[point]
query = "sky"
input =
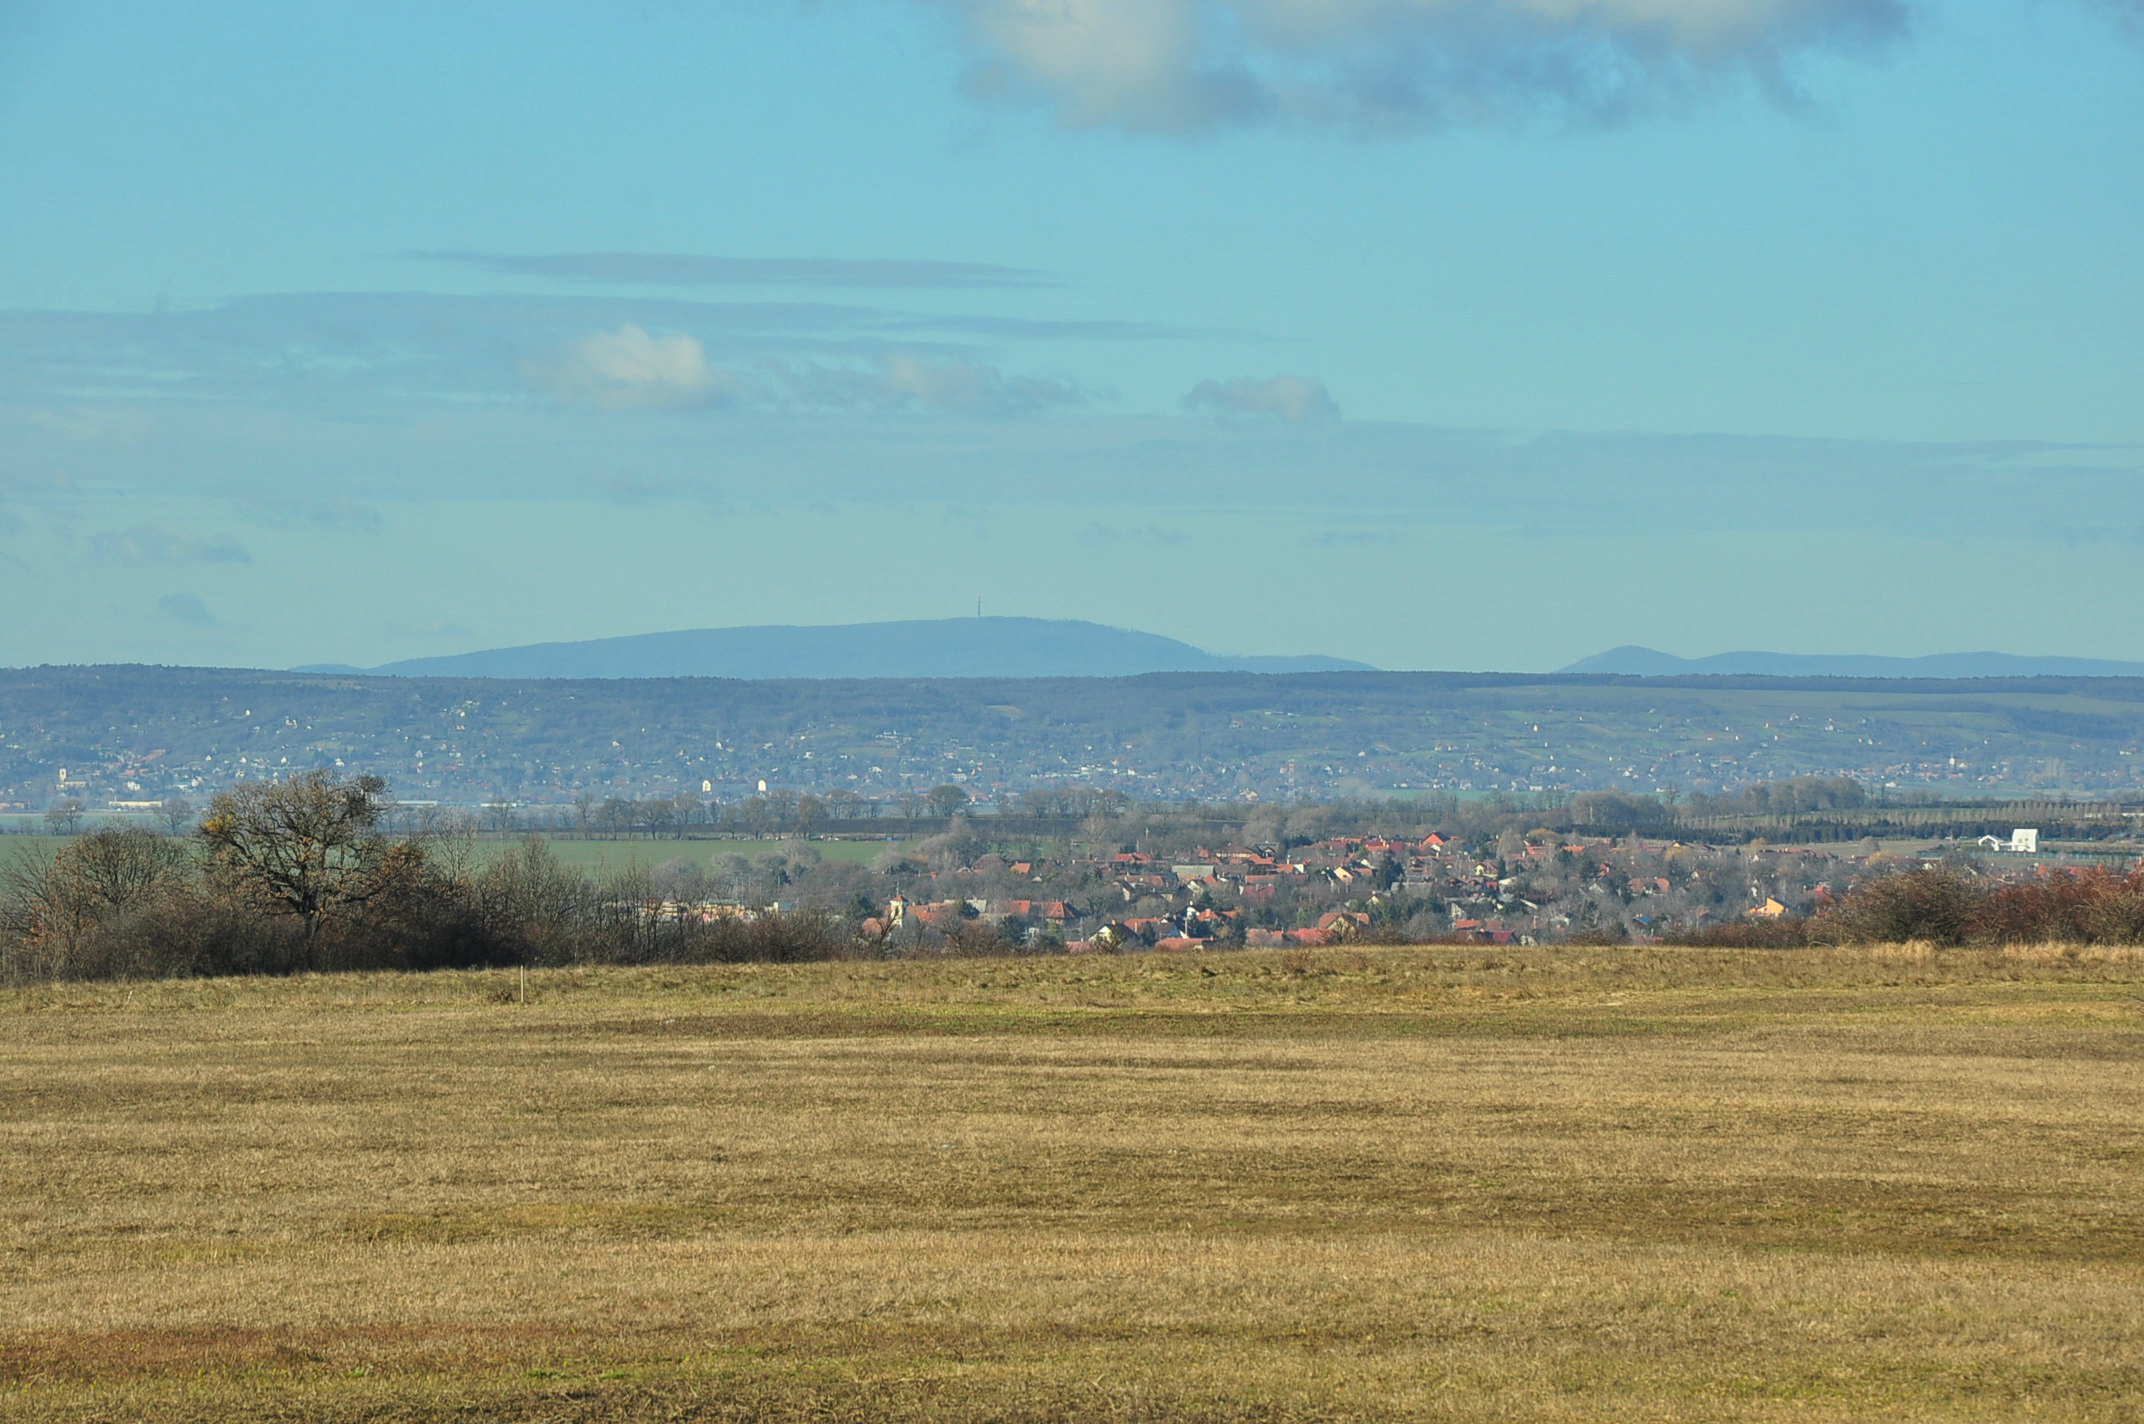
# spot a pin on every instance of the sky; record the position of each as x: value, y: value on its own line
x: 1472, y: 334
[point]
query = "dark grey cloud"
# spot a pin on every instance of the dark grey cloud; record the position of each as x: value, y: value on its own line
x: 186, y: 608
x: 1295, y: 399
x: 156, y: 542
x: 1396, y: 65
x: 673, y: 269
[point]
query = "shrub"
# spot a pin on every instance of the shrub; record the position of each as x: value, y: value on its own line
x: 1931, y: 903
x: 2080, y: 906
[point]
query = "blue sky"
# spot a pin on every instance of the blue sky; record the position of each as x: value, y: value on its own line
x: 1435, y: 333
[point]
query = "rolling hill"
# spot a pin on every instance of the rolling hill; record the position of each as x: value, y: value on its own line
x: 1634, y: 661
x: 943, y: 647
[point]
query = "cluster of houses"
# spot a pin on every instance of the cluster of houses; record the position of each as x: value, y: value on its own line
x: 1137, y: 900
x: 704, y: 912
x: 1537, y: 886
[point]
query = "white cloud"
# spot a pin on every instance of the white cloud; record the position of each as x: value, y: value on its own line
x: 628, y: 369
x: 1293, y: 398
x: 1179, y: 65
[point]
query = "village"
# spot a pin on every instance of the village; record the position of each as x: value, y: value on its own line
x: 1511, y: 888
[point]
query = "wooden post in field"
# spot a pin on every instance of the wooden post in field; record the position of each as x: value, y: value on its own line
x: 524, y: 983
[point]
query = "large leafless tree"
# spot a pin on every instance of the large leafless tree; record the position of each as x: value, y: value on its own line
x: 308, y: 846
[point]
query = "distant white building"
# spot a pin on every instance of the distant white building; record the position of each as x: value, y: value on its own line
x: 2023, y: 841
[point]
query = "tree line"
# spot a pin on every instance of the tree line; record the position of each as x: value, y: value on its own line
x: 301, y: 876
x: 776, y: 812
x: 307, y: 875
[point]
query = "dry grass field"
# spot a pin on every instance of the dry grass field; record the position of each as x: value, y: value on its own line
x: 1630, y: 1184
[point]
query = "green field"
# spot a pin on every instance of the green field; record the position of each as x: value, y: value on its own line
x: 17, y: 845
x: 598, y: 856
x: 1439, y: 1184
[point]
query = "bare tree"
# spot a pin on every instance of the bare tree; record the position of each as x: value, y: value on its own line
x: 616, y: 816
x: 687, y: 810
x: 64, y: 816
x: 308, y: 847
x: 177, y: 814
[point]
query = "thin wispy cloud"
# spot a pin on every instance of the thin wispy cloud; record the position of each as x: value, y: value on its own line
x: 1098, y: 535
x: 632, y: 369
x: 159, y: 543
x: 2128, y: 13
x: 1348, y: 538
x: 186, y: 608
x: 945, y: 387
x: 335, y: 513
x: 427, y: 628
x: 69, y: 367
x: 677, y: 269
x: 1296, y: 399
x: 1396, y: 65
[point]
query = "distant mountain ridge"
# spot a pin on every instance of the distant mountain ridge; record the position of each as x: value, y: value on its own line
x: 1634, y: 661
x: 940, y: 647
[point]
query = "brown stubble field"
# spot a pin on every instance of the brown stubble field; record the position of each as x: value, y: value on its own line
x: 1639, y: 1184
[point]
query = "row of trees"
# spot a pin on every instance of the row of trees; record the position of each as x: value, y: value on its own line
x: 778, y: 812
x: 300, y: 875
x: 1813, y: 807
x: 65, y: 816
x: 1951, y: 906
